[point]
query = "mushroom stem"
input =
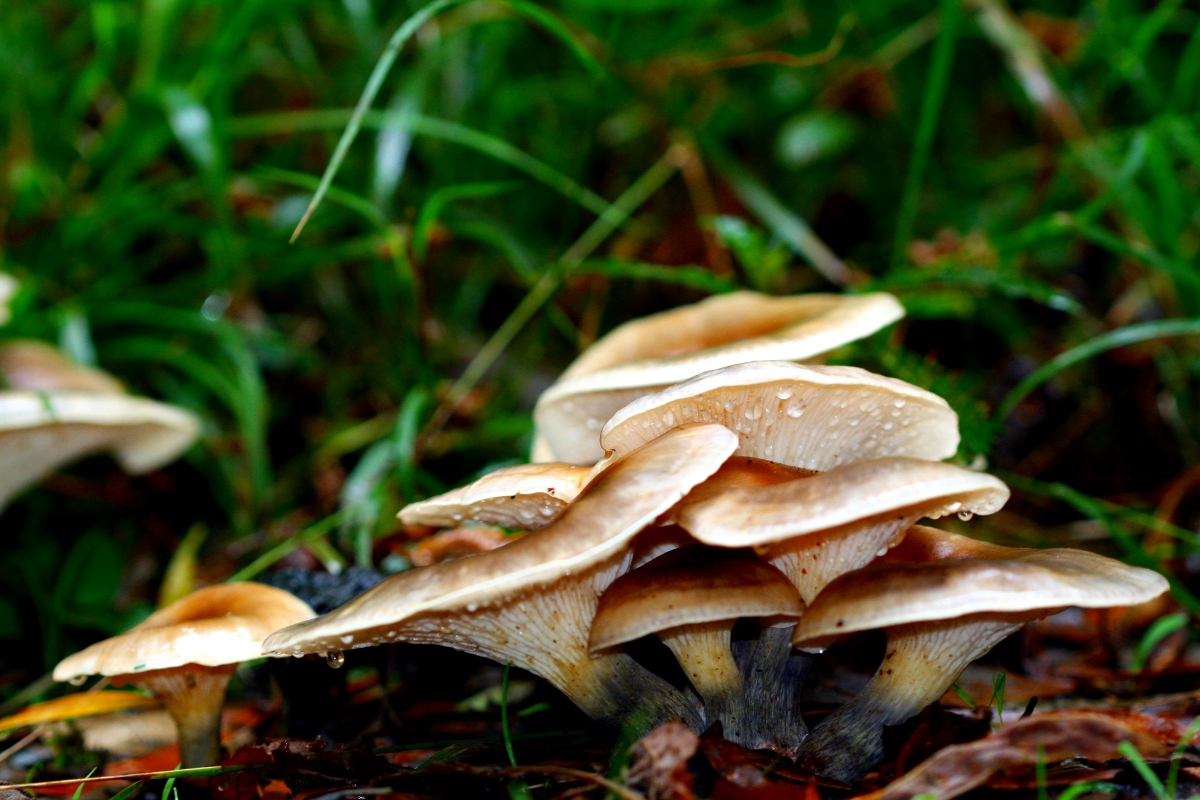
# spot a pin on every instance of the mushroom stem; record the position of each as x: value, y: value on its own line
x: 922, y: 661
x: 773, y: 674
x: 703, y: 651
x: 193, y: 696
x: 812, y: 562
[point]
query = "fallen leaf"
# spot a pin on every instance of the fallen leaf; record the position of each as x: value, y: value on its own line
x: 73, y: 706
x: 159, y: 759
x: 1050, y: 737
x: 658, y: 765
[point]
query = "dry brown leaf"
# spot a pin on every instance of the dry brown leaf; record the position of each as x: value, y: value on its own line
x: 658, y: 765
x: 1048, y: 737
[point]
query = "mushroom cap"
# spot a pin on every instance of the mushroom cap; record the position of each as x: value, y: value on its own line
x: 680, y: 589
x: 741, y: 472
x: 525, y: 496
x: 40, y: 432
x: 212, y: 627
x: 662, y: 349
x: 622, y: 500
x: 33, y: 366
x: 803, y: 416
x: 757, y: 515
x: 1018, y: 580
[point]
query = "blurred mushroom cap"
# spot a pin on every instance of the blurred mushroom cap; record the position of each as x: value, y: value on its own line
x: 212, y: 627
x: 32, y: 366
x: 803, y: 416
x: 656, y: 351
x: 682, y: 589
x: 526, y: 496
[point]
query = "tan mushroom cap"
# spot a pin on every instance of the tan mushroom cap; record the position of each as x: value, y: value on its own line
x: 666, y: 348
x: 212, y: 627
x: 803, y: 416
x: 686, y: 591
x: 1022, y: 580
x: 759, y: 515
x: 526, y: 496
x: 55, y: 412
x: 627, y: 497
x: 41, y: 432
x: 33, y: 366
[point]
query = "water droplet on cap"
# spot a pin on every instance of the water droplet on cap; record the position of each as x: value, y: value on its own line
x: 335, y: 659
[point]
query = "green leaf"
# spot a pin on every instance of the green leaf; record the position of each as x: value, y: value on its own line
x: 1162, y: 627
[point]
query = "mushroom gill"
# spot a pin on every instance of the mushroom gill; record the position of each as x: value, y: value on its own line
x: 531, y: 603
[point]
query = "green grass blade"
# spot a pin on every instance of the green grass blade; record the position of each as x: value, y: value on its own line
x: 423, y: 125
x: 931, y: 109
x: 1130, y: 334
x: 438, y: 199
x: 1177, y: 757
x: 374, y: 83
x: 690, y: 276
x: 1139, y: 763
x: 1163, y: 627
x: 782, y: 221
x: 559, y: 30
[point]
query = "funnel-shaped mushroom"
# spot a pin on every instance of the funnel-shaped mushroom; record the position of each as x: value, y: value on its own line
x: 691, y: 601
x: 810, y: 417
x: 817, y: 528
x: 653, y: 352
x: 185, y: 653
x: 531, y: 603
x: 939, y: 616
x: 53, y: 412
x: 527, y: 496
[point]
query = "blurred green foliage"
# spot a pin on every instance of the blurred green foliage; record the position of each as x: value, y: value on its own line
x: 1025, y: 178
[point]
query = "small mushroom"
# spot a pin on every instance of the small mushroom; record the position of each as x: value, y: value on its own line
x: 531, y: 603
x: 690, y: 598
x: 810, y: 417
x: 53, y: 412
x: 939, y: 616
x: 184, y: 655
x: 648, y: 354
x: 526, y: 496
x: 817, y: 528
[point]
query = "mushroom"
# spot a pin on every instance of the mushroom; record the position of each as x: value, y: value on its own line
x: 184, y: 655
x: 734, y: 473
x: 944, y: 600
x: 648, y: 354
x: 817, y: 528
x: 531, y: 603
x: 802, y: 416
x: 526, y: 496
x: 690, y: 598
x: 53, y: 412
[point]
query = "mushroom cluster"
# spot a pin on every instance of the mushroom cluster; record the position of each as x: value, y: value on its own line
x: 744, y: 513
